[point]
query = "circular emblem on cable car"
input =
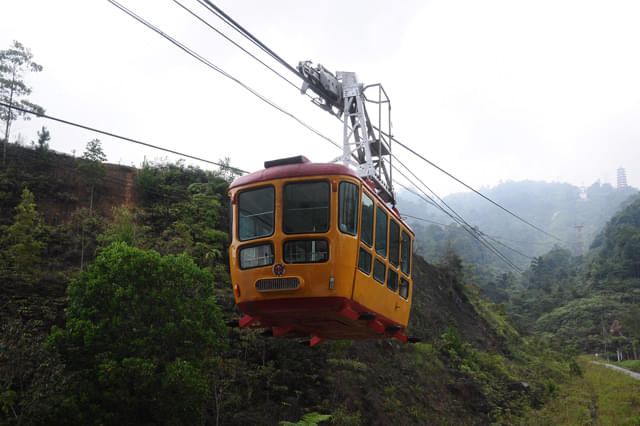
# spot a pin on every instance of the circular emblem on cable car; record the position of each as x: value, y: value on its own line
x: 278, y: 269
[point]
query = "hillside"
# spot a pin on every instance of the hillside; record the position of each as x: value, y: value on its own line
x: 591, y: 301
x: 106, y: 359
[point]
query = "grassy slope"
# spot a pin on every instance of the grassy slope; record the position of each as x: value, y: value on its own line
x: 632, y: 364
x: 602, y: 396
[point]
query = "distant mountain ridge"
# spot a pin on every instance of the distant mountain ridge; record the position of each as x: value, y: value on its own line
x: 573, y: 215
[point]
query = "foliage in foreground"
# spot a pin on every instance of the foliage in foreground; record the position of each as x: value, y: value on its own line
x: 31, y: 375
x: 141, y: 330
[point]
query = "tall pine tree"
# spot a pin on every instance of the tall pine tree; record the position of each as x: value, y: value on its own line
x: 21, y: 246
x: 14, y: 63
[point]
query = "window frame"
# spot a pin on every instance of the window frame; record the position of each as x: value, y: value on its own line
x: 341, y: 207
x: 401, y: 286
x: 247, y: 246
x: 284, y: 210
x: 384, y: 255
x: 284, y: 251
x: 230, y: 211
x: 398, y: 241
x: 384, y: 264
x: 404, y: 261
x: 373, y: 219
x: 273, y: 225
x: 368, y: 253
x: 397, y: 283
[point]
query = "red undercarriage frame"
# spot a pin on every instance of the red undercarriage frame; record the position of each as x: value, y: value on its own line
x: 323, y: 318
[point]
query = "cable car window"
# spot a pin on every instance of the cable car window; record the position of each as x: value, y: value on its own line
x: 392, y: 280
x: 306, y: 251
x: 394, y: 243
x: 364, y: 261
x: 256, y: 256
x: 406, y: 253
x: 348, y: 208
x: 379, y: 271
x: 404, y: 288
x: 255, y: 213
x: 366, y: 226
x: 230, y: 211
x: 381, y: 232
x: 306, y: 207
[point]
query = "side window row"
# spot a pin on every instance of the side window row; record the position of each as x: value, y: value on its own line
x: 388, y: 235
x: 379, y: 271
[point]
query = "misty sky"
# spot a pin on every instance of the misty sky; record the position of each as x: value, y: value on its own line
x: 491, y: 91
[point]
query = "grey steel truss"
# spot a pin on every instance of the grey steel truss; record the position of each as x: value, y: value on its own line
x: 365, y: 146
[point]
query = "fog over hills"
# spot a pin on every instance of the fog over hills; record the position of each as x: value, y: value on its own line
x: 574, y: 215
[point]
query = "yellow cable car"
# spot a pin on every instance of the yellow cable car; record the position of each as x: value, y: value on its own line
x: 315, y: 252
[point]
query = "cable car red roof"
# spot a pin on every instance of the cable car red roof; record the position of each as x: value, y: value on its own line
x: 293, y: 170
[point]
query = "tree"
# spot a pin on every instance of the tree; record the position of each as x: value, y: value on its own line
x: 631, y: 326
x: 93, y: 170
x: 22, y: 248
x: 91, y: 167
x: 44, y: 136
x: 143, y: 332
x: 226, y: 172
x: 123, y: 228
x: 452, y: 260
x: 14, y: 63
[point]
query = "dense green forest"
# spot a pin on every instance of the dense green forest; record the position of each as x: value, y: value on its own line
x: 593, y: 301
x: 116, y: 296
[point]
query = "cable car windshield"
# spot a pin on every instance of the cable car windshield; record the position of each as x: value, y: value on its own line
x: 255, y: 213
x: 306, y: 207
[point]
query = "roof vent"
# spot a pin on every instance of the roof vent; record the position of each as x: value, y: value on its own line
x: 298, y: 159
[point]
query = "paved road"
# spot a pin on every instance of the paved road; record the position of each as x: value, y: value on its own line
x: 624, y: 370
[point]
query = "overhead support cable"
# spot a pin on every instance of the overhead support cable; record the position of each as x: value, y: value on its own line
x: 235, y: 25
x: 230, y: 40
x: 525, y: 242
x: 427, y: 199
x: 211, y: 65
x: 475, y: 234
x: 226, y: 18
x: 106, y: 133
x: 508, y: 247
x: 460, y: 218
x: 231, y: 22
x: 473, y: 189
x: 404, y: 215
x: 457, y: 218
x: 421, y: 219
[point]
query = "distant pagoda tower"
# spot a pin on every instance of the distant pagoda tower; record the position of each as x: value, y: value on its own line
x: 583, y: 194
x: 622, y: 178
